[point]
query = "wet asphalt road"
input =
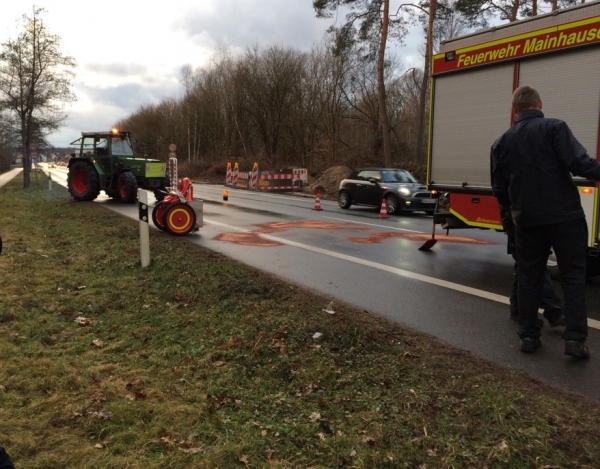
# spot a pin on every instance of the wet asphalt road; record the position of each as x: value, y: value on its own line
x: 457, y: 292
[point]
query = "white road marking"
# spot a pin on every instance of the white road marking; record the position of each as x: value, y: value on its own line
x: 386, y: 268
x: 373, y: 224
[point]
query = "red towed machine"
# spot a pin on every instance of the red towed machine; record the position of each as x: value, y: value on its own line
x: 178, y: 213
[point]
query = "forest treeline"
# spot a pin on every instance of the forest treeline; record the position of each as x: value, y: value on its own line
x: 283, y: 107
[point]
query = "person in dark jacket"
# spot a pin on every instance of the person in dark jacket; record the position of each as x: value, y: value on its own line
x: 531, y: 167
x: 5, y: 461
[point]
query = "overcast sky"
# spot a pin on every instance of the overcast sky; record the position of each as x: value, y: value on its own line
x: 130, y: 52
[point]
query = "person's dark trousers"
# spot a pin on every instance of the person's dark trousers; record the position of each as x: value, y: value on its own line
x: 5, y: 462
x: 568, y: 240
x: 550, y: 300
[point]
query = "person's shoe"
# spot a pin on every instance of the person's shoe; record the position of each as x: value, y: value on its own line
x: 577, y: 349
x: 555, y: 320
x: 530, y: 344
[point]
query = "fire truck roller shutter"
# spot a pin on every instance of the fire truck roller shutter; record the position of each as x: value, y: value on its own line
x: 471, y: 110
x: 569, y: 84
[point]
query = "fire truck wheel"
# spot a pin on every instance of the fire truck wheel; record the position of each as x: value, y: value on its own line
x: 593, y: 266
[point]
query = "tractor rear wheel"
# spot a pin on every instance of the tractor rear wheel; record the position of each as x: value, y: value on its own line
x: 128, y: 187
x: 179, y: 219
x: 158, y: 213
x: 83, y: 181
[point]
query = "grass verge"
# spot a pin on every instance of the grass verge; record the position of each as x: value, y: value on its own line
x: 200, y: 362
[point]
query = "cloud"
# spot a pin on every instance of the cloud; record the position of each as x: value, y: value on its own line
x: 128, y: 97
x: 241, y: 24
x: 122, y: 69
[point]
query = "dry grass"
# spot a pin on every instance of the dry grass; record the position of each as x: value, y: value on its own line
x: 200, y: 362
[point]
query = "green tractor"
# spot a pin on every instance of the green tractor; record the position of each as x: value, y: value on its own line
x: 106, y: 162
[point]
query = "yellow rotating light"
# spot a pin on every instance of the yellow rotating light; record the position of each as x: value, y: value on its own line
x: 114, y: 131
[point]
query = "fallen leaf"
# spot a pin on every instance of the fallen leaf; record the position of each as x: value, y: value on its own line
x: 140, y: 396
x: 268, y: 454
x: 353, y: 453
x: 244, y: 459
x: 502, y: 446
x: 368, y: 440
x: 81, y: 287
x: 2, y: 388
x: 179, y: 296
x: 232, y: 343
x: 98, y: 343
x: 314, y: 417
x: 83, y: 321
x: 218, y: 363
x: 102, y: 444
x: 191, y: 450
x: 102, y: 415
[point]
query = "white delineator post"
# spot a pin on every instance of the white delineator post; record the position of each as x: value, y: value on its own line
x: 144, y: 230
x: 49, y: 181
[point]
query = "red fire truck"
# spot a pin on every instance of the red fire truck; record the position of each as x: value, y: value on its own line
x: 473, y: 78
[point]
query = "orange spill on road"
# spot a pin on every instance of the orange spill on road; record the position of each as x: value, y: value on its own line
x: 253, y: 238
x: 247, y: 239
x: 309, y: 224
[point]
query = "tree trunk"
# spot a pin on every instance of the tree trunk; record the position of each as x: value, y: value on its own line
x: 515, y: 11
x: 421, y: 141
x: 383, y: 116
x: 26, y: 161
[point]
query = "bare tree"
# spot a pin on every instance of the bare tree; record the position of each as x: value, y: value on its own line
x: 35, y: 83
x: 375, y: 25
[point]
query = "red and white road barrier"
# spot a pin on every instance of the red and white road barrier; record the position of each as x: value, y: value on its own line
x: 253, y: 183
x: 228, y: 178
x: 291, y: 179
x: 234, y: 176
x: 302, y: 174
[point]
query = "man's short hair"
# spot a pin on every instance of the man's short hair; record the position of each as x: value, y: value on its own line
x: 526, y: 97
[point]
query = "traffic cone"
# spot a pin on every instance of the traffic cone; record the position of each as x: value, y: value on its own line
x: 383, y: 211
x: 317, y: 203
